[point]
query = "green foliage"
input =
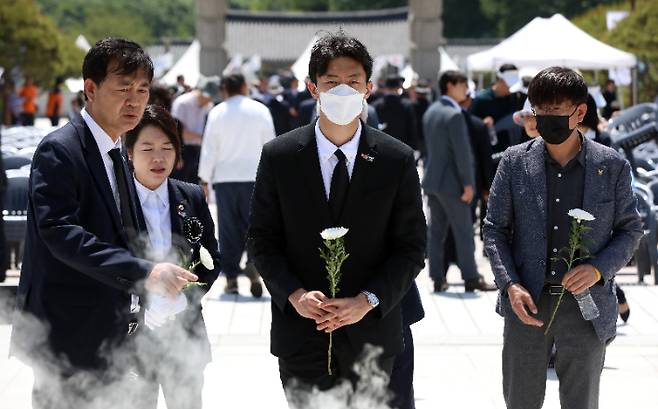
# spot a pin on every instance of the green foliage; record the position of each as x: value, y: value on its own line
x: 144, y: 21
x: 510, y: 15
x: 31, y: 42
x: 637, y: 33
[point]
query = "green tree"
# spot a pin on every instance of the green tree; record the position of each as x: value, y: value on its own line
x: 30, y: 42
x: 637, y: 33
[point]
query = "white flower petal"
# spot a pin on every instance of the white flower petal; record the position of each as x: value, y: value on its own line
x: 580, y: 214
x: 206, y: 258
x: 333, y: 233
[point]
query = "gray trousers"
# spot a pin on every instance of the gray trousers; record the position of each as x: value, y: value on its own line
x: 578, y: 363
x: 447, y: 211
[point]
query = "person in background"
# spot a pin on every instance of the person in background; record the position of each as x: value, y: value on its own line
x: 449, y: 184
x: 181, y: 86
x: 281, y: 110
x: 422, y: 102
x: 396, y: 115
x: 498, y: 102
x: 232, y: 143
x: 192, y: 110
x: 13, y: 104
x: 611, y: 102
x: 29, y: 93
x: 54, y: 106
x: 77, y: 103
x: 175, y: 326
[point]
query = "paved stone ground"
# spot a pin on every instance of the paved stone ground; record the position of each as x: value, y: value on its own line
x: 458, y: 347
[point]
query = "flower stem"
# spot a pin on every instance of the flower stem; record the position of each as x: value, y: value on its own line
x: 331, y: 339
x: 559, y: 300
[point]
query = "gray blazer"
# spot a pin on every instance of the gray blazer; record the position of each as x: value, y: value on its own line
x: 515, y: 226
x: 449, y: 165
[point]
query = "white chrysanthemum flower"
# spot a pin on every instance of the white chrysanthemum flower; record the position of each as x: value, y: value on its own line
x: 206, y: 258
x: 580, y: 214
x: 334, y: 233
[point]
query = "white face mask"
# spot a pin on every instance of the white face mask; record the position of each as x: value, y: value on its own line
x: 510, y: 77
x: 342, y: 104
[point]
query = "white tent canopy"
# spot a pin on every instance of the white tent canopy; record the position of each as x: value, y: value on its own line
x: 544, y: 42
x: 300, y: 67
x: 445, y: 61
x: 187, y: 65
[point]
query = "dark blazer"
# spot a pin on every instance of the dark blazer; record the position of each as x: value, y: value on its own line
x: 482, y: 150
x: 386, y: 240
x: 187, y: 200
x: 515, y: 226
x: 77, y: 273
x: 397, y: 117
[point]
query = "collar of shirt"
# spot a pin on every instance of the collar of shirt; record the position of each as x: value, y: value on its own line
x: 103, y: 140
x: 452, y: 102
x: 162, y: 193
x: 326, y: 148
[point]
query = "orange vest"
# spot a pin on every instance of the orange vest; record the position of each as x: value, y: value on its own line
x: 29, y: 95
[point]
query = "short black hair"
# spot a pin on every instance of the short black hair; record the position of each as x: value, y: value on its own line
x: 555, y: 85
x: 591, y: 118
x: 160, y: 95
x: 155, y: 115
x: 335, y: 45
x: 128, y: 57
x: 452, y: 77
x: 232, y: 84
x: 393, y: 81
x: 507, y: 67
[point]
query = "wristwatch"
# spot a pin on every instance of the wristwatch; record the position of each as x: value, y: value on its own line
x: 372, y: 298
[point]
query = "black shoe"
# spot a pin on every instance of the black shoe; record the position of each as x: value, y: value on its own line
x: 231, y: 286
x: 624, y: 312
x: 478, y: 284
x: 256, y: 286
x: 440, y: 286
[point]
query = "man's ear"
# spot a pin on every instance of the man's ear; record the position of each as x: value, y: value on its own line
x: 369, y: 86
x: 581, y: 111
x: 313, y: 89
x: 90, y: 88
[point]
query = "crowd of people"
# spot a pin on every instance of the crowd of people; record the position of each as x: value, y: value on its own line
x: 121, y: 247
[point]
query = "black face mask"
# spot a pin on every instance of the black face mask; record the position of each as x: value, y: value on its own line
x: 554, y: 129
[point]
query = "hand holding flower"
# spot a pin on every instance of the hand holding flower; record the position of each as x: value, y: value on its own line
x: 580, y: 278
x: 344, y: 311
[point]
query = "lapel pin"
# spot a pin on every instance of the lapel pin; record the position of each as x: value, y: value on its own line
x: 601, y: 171
x: 367, y: 157
x: 181, y: 210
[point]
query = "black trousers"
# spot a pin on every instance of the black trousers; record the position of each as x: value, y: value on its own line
x: 307, y: 368
x: 402, y: 377
x: 233, y: 202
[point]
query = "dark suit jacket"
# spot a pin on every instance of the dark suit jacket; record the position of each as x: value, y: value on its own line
x: 397, y: 117
x: 187, y: 200
x: 481, y: 147
x: 515, y: 226
x: 77, y: 273
x: 386, y: 240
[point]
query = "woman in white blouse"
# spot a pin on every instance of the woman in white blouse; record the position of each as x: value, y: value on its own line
x: 174, y: 350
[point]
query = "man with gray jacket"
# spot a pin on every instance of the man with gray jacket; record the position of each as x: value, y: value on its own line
x: 448, y: 183
x: 526, y: 227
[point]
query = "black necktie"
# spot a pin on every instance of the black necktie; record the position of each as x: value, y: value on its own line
x: 340, y: 182
x: 125, y: 203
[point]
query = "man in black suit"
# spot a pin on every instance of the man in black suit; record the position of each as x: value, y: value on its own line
x: 79, y: 285
x: 396, y: 115
x: 336, y: 172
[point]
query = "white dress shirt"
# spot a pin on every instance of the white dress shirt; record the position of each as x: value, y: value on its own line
x: 155, y: 207
x: 452, y: 102
x: 233, y: 140
x: 105, y: 145
x: 328, y: 161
